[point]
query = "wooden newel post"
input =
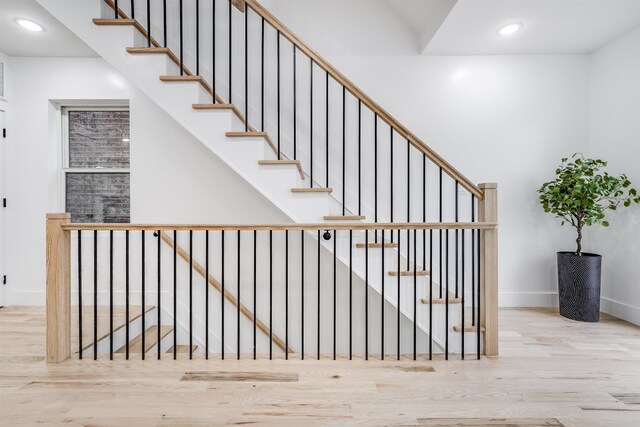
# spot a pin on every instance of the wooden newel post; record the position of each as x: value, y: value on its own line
x: 58, y: 288
x: 488, y: 212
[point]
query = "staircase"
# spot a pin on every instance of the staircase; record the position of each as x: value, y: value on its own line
x: 282, y: 168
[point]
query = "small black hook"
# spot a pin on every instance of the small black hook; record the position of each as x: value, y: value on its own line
x: 326, y: 235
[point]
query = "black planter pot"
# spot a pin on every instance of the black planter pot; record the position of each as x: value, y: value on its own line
x: 579, y: 286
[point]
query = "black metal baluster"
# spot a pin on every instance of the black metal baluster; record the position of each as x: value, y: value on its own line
x: 399, y: 274
x: 350, y: 294
x: 80, y: 297
x: 262, y: 77
x: 391, y: 183
x: 478, y: 322
x: 115, y: 9
x: 278, y: 88
x: 462, y: 290
x: 430, y: 294
x: 302, y: 294
x: 440, y: 231
x: 246, y: 70
x: 415, y: 295
x: 318, y: 263
x: 230, y: 52
x: 148, y: 23
x: 382, y: 297
x: 126, y: 291
x: 327, y: 129
x: 191, y: 294
x: 143, y: 285
x: 181, y: 42
x: 159, y: 292
x: 175, y: 294
x: 446, y: 298
x: 133, y: 9
x: 222, y: 294
x: 213, y: 50
x: 408, y: 201
x: 456, y: 236
x: 238, y: 301
x: 110, y: 294
x: 366, y: 295
x: 206, y: 294
x: 255, y: 288
x: 473, y: 263
x: 295, y: 108
x: 344, y: 149
x: 334, y: 293
x: 197, y: 37
x: 164, y: 22
x: 286, y: 295
x: 270, y: 294
x: 375, y: 174
x: 311, y: 124
x: 359, y: 157
x: 95, y: 295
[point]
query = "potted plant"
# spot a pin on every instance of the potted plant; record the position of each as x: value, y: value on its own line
x: 580, y: 196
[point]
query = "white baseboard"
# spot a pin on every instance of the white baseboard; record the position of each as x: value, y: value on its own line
x: 620, y: 310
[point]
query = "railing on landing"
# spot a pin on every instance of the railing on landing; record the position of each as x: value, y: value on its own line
x: 104, y: 274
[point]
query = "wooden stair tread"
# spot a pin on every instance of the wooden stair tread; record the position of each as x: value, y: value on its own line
x: 148, y: 50
x: 344, y: 217
x: 437, y: 300
x: 150, y: 339
x: 183, y: 348
x: 213, y: 106
x: 119, y: 322
x: 312, y: 190
x: 246, y: 134
x: 121, y: 21
x: 409, y: 273
x: 377, y: 245
x: 184, y: 78
x: 468, y: 328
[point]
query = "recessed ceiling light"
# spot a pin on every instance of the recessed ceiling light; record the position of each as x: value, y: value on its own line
x: 510, y: 29
x: 29, y: 25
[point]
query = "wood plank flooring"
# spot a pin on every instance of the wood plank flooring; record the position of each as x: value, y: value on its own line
x: 551, y: 372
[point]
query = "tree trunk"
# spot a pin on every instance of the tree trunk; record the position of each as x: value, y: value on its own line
x: 579, y: 239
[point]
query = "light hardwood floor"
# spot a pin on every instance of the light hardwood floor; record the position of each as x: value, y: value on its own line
x: 551, y: 371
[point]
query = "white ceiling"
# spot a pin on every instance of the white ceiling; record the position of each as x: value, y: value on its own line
x: 550, y: 26
x: 57, y: 41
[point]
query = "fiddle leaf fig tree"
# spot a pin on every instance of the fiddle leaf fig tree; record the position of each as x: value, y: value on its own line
x: 582, y: 193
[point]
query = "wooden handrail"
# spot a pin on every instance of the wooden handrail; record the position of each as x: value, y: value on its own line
x: 317, y: 226
x: 359, y: 94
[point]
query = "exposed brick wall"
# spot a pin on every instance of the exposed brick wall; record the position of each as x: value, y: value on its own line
x: 95, y: 139
x: 98, y: 197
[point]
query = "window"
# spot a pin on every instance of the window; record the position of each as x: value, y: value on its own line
x: 96, y: 164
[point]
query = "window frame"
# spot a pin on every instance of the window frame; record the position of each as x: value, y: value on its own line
x: 65, y: 169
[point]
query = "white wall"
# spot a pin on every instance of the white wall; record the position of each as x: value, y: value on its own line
x: 614, y: 131
x: 505, y: 119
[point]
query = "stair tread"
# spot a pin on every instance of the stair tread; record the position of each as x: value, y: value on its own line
x: 150, y: 339
x: 184, y: 78
x: 344, y: 217
x: 245, y: 134
x: 312, y: 190
x: 297, y: 163
x: 113, y: 21
x: 377, y: 245
x: 468, y: 328
x: 119, y: 321
x: 212, y: 106
x: 409, y: 273
x: 151, y: 50
x: 182, y: 348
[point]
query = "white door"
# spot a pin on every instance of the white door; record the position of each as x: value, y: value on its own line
x: 3, y: 234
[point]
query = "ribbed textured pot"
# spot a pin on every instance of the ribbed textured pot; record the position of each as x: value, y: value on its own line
x: 579, y: 286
